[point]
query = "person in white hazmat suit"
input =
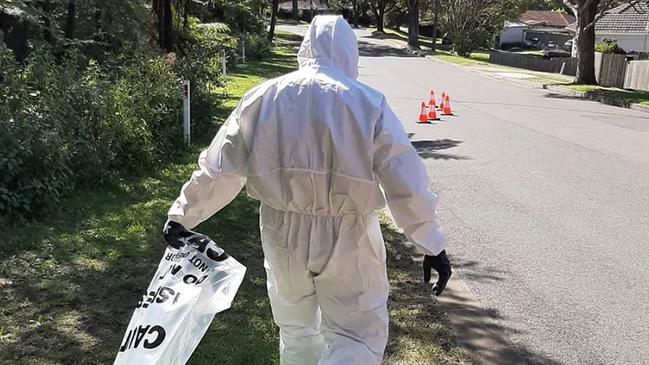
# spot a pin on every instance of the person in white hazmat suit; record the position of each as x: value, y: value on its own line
x: 315, y: 147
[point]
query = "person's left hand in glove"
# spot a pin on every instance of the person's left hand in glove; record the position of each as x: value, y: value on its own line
x: 177, y: 236
x: 442, y: 265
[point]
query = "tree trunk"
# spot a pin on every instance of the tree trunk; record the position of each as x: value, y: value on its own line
x: 70, y: 20
x: 273, y: 20
x: 295, y: 11
x: 417, y: 6
x: 168, y: 26
x: 47, y: 23
x: 586, y: 45
x: 15, y: 35
x: 98, y: 23
x: 435, y: 24
x: 186, y: 14
x: 355, y: 12
x: 379, y: 15
x: 160, y: 14
x: 413, y: 24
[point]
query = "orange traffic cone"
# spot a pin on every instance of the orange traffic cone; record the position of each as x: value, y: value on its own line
x: 432, y: 113
x: 431, y: 102
x: 441, y: 102
x: 446, y: 110
x: 422, y: 113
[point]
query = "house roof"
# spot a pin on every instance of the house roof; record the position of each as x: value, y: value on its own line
x: 625, y: 19
x: 554, y: 19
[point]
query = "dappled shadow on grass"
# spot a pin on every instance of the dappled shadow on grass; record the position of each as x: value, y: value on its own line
x: 280, y: 62
x: 374, y: 50
x: 419, y: 332
x: 70, y: 284
x: 400, y: 36
x: 76, y: 281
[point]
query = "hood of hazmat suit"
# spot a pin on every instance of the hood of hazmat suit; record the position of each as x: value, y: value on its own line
x: 321, y: 152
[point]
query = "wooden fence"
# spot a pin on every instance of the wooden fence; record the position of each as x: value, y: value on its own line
x: 637, y: 75
x: 536, y: 63
x: 610, y: 69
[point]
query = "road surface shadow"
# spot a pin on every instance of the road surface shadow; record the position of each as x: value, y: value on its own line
x: 374, y: 50
x: 597, y: 98
x: 473, y: 325
x: 475, y: 271
x: 428, y: 149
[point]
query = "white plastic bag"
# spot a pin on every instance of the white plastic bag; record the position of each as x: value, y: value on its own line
x: 191, y: 285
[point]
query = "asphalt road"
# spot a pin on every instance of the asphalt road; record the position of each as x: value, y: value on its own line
x: 546, y: 204
x: 545, y: 200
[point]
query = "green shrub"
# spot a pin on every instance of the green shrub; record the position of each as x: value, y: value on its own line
x: 33, y: 152
x: 245, y: 16
x: 609, y: 46
x: 397, y: 15
x: 257, y: 46
x: 63, y: 125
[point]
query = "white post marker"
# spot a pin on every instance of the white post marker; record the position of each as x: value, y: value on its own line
x: 243, y: 49
x: 224, y: 63
x: 184, y: 87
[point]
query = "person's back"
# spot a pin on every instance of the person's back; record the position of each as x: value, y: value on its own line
x: 315, y: 147
x: 308, y: 125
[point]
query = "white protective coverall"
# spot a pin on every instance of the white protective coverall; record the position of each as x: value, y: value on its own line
x: 315, y: 146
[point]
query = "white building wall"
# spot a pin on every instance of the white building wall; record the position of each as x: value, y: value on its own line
x: 636, y: 42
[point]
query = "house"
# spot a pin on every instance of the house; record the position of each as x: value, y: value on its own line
x: 538, y: 28
x: 628, y: 25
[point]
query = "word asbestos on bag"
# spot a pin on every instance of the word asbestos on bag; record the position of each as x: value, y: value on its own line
x: 191, y: 285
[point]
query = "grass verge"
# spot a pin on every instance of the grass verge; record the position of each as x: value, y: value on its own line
x: 69, y: 283
x: 625, y: 96
x: 401, y: 36
x: 474, y: 59
x: 443, y: 52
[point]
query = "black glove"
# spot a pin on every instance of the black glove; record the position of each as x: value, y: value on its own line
x: 443, y: 267
x: 177, y: 236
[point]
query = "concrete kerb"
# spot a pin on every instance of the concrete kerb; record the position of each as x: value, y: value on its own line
x: 471, y: 324
x: 599, y: 98
x: 474, y: 328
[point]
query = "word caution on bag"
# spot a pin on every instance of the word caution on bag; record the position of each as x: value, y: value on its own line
x: 191, y: 285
